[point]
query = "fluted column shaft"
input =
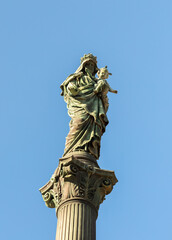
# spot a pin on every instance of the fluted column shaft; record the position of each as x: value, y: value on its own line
x: 76, y: 221
x: 76, y: 190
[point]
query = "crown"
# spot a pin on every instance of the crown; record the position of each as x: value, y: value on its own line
x: 88, y: 57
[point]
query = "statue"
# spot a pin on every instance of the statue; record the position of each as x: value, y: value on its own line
x: 78, y: 186
x: 103, y: 86
x: 87, y: 103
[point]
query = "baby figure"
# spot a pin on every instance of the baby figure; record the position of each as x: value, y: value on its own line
x: 103, y: 87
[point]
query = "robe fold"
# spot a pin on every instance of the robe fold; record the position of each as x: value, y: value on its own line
x: 88, y: 117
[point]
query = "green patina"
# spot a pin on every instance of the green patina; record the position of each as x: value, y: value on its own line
x: 86, y: 100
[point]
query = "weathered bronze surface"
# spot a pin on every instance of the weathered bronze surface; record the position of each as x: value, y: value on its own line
x: 87, y: 103
x: 78, y: 185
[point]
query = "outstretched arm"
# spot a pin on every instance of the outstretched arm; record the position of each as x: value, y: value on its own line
x: 113, y: 91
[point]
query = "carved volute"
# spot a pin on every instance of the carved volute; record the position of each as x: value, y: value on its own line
x: 74, y: 179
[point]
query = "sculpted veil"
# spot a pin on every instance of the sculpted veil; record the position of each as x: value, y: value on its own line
x: 85, y: 107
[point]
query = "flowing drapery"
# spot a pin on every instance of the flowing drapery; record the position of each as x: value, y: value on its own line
x: 88, y: 117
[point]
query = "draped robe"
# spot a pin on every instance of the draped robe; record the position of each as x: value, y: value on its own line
x: 88, y: 117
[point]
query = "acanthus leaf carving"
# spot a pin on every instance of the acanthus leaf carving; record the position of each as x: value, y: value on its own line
x: 78, y: 180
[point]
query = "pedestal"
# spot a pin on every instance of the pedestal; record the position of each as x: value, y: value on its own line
x: 76, y: 190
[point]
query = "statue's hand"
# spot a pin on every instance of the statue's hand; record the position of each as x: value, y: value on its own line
x: 73, y: 92
x: 114, y: 91
x: 72, y: 88
x: 98, y: 88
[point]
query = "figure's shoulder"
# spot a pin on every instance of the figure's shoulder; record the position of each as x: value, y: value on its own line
x: 106, y: 82
x: 72, y: 77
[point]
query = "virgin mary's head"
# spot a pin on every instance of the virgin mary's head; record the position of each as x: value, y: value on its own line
x: 88, y: 61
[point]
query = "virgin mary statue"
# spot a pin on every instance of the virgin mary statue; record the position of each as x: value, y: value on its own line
x: 85, y: 107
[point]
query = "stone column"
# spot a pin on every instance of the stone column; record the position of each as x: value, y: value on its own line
x: 76, y: 190
x: 76, y: 220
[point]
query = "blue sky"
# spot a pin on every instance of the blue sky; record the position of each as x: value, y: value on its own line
x: 40, y: 45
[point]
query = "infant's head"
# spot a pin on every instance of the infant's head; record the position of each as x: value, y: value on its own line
x: 103, y: 73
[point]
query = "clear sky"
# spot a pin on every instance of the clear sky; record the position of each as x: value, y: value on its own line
x: 41, y: 43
